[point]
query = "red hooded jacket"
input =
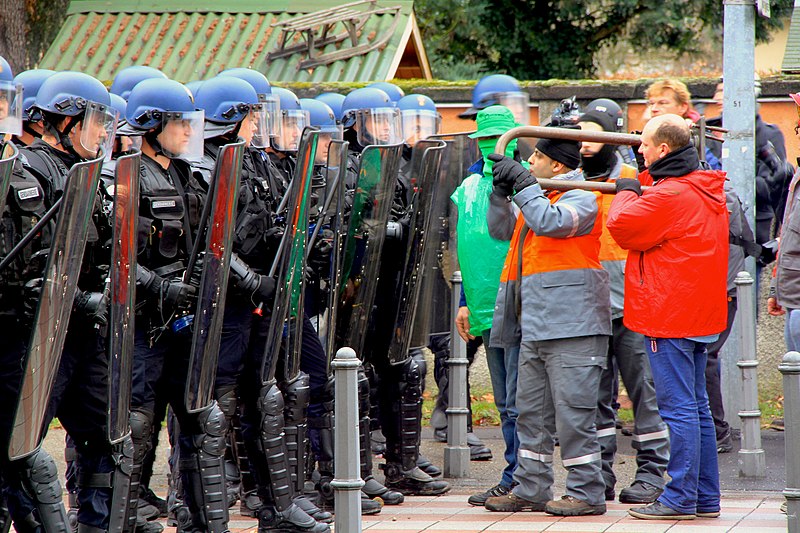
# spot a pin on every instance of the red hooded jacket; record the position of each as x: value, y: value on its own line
x: 676, y: 235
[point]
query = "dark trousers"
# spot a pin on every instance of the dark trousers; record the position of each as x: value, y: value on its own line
x: 713, y: 386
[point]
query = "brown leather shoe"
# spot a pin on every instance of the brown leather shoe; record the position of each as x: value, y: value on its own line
x: 510, y: 503
x: 571, y: 506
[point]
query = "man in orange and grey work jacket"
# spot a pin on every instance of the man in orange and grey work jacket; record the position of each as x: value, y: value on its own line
x: 553, y: 303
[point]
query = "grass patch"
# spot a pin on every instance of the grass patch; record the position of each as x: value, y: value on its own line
x: 484, y: 412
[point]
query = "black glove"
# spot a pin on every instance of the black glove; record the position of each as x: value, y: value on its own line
x: 266, y: 288
x: 176, y: 293
x: 94, y: 305
x: 32, y: 293
x: 628, y: 184
x: 509, y: 175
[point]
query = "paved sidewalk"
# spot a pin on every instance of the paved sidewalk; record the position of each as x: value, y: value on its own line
x: 741, y: 513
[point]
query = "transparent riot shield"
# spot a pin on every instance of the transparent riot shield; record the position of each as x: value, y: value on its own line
x: 426, y: 159
x: 433, y: 315
x: 52, y: 316
x: 122, y: 294
x: 332, y: 216
x: 285, y: 327
x: 8, y: 155
x: 371, y: 204
x: 208, y: 315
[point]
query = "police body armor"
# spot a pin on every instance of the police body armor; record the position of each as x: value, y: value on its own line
x: 51, y: 319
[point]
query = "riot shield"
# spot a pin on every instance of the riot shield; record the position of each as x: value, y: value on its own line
x: 334, y: 214
x: 371, y: 205
x: 207, y: 324
x: 122, y: 290
x: 289, y: 269
x: 8, y: 155
x: 52, y: 316
x: 433, y: 313
x: 426, y: 158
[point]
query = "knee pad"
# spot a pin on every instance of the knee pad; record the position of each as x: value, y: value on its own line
x: 212, y: 422
x: 40, y: 470
x: 141, y: 423
x: 226, y: 399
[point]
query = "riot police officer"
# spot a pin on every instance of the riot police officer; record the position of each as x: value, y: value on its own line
x: 371, y: 119
x: 163, y: 114
x: 252, y: 288
x: 78, y: 125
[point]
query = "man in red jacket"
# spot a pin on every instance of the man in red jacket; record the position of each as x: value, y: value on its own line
x: 676, y: 234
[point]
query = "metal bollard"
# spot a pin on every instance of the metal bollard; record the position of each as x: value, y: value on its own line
x: 752, y: 461
x: 456, y: 453
x: 347, y: 480
x: 790, y: 368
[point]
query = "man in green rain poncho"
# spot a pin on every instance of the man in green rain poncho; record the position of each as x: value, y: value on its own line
x: 481, y: 258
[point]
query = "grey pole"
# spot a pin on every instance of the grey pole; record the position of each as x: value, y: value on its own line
x: 738, y: 160
x: 790, y: 368
x: 456, y: 453
x: 751, y: 455
x: 347, y: 482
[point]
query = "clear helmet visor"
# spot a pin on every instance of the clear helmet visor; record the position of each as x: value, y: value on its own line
x: 293, y: 122
x: 380, y: 126
x: 272, y: 106
x: 182, y: 135
x: 253, y: 128
x: 10, y: 108
x: 327, y: 134
x: 518, y: 103
x: 98, y: 127
x: 419, y: 124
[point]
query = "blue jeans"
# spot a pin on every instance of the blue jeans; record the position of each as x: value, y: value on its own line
x: 679, y: 374
x: 791, y: 330
x: 503, y: 365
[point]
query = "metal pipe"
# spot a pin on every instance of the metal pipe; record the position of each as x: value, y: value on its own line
x: 456, y: 453
x: 347, y: 480
x: 569, y: 134
x: 790, y: 368
x: 752, y: 461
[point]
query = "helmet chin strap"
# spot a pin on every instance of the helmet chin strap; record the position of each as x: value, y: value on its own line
x: 63, y: 136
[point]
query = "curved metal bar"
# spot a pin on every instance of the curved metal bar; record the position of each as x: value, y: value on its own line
x: 541, y: 132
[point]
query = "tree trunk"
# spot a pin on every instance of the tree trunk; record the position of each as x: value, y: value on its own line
x: 13, y: 24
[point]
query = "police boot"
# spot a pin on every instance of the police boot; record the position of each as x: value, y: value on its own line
x: 372, y: 487
x: 72, y: 511
x: 290, y: 520
x: 202, y: 473
x: 402, y: 452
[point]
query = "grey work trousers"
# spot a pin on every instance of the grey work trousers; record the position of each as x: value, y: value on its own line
x: 650, y: 435
x: 557, y: 389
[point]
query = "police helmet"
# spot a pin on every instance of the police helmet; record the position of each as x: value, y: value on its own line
x: 395, y: 93
x: 31, y: 80
x: 499, y: 89
x: 127, y: 78
x: 334, y: 101
x: 420, y: 118
x: 286, y: 131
